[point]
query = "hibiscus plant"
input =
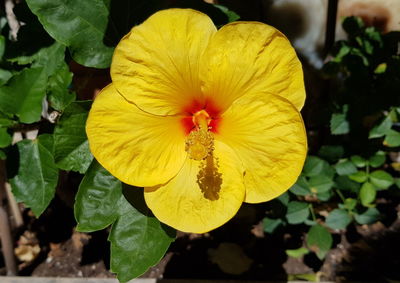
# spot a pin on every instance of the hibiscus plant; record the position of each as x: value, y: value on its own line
x: 198, y: 116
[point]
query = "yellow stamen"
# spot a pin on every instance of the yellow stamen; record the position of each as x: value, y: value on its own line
x: 200, y: 142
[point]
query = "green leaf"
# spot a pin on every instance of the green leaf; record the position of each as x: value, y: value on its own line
x: 324, y: 196
x: 381, y: 179
x: 382, y: 129
x: 353, y: 25
x: 370, y: 216
x: 284, y: 198
x: 367, y: 194
x: 359, y: 161
x: 338, y: 219
x: 96, y: 203
x: 5, y: 75
x: 320, y: 184
x: 71, y: 147
x: 270, y: 224
x: 58, y: 94
x: 297, y: 212
x: 378, y: 159
x: 339, y: 124
x: 49, y: 58
x: 345, y: 167
x: 297, y: 252
x: 5, y: 138
x: 2, y: 46
x: 392, y: 139
x: 36, y: 174
x: 232, y: 16
x: 138, y: 239
x: 319, y: 240
x: 331, y: 153
x: 314, y: 166
x: 350, y: 203
x: 359, y: 177
x: 23, y: 95
x: 346, y: 184
x: 80, y: 25
x: 301, y: 187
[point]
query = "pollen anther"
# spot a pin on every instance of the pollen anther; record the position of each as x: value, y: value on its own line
x: 200, y: 142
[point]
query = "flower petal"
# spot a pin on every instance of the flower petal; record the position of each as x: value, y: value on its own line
x: 267, y: 133
x: 138, y: 148
x: 251, y: 57
x: 203, y: 196
x: 156, y: 65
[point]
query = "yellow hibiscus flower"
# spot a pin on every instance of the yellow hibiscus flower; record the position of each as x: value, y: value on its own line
x: 203, y: 119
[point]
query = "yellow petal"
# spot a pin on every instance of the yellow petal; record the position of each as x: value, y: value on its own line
x: 267, y: 133
x: 251, y: 57
x: 156, y: 65
x: 138, y: 148
x: 203, y: 196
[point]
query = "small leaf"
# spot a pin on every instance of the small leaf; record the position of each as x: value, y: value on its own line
x: 5, y: 138
x: 382, y: 129
x: 232, y: 16
x: 350, y: 203
x: 297, y: 212
x: 359, y: 161
x: 339, y: 124
x: 338, y: 219
x: 319, y: 240
x: 270, y: 225
x: 370, y: 216
x: 96, y: 203
x: 297, y: 252
x: 381, y: 179
x: 392, y: 139
x: 359, y: 177
x: 346, y: 184
x: 320, y: 184
x: 314, y: 166
x: 71, y: 147
x: 301, y: 188
x: 345, y: 167
x: 378, y: 159
x: 331, y: 153
x: 58, y: 94
x: 138, y: 239
x: 23, y: 95
x: 367, y: 194
x: 36, y: 176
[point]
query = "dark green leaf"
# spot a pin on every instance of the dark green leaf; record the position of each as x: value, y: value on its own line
x: 331, y: 153
x: 301, y: 187
x: 71, y: 147
x: 359, y: 177
x: 392, y: 138
x: 367, y: 194
x: 36, y: 174
x: 297, y: 212
x: 381, y: 179
x: 345, y: 167
x: 378, y: 159
x: 324, y: 196
x: 284, y: 198
x: 96, y: 203
x: 319, y: 240
x: 80, y: 25
x: 58, y: 94
x: 138, y: 239
x: 370, y: 216
x: 270, y: 224
x: 23, y: 95
x: 344, y: 183
x: 338, y: 219
x: 4, y: 76
x: 232, y: 16
x: 353, y: 25
x: 5, y: 138
x: 339, y: 124
x: 358, y: 161
x: 2, y: 46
